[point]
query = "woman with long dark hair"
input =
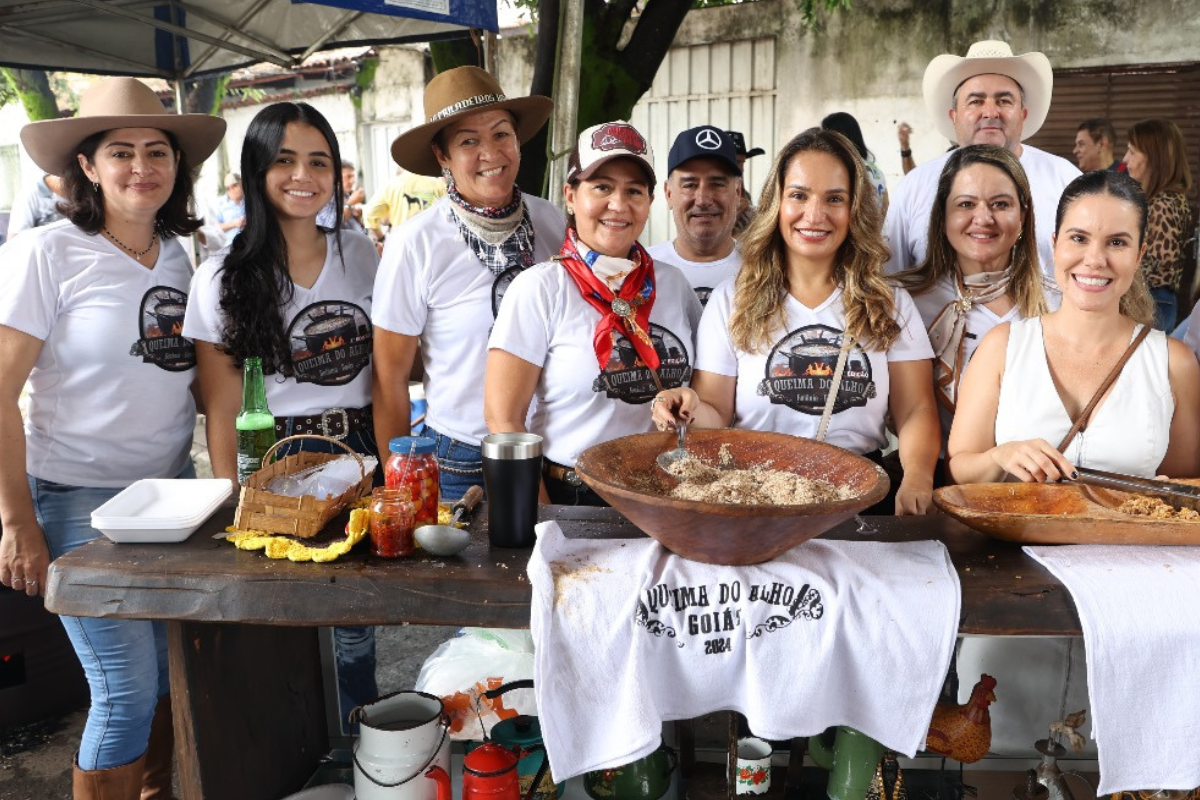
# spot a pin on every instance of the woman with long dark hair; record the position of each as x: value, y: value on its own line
x: 811, y: 294
x: 299, y: 297
x: 89, y: 313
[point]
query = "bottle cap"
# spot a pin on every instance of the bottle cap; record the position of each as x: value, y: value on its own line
x: 412, y: 445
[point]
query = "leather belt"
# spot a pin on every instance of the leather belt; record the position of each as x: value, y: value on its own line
x: 558, y: 472
x: 336, y: 423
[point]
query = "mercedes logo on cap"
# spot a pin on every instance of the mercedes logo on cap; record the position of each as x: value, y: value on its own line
x: 709, y: 139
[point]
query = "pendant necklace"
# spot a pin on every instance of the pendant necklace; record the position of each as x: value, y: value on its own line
x: 137, y: 254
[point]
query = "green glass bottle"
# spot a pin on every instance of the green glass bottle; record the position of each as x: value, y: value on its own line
x: 255, y: 423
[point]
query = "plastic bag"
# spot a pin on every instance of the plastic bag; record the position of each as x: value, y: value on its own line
x: 323, y: 481
x: 475, y: 661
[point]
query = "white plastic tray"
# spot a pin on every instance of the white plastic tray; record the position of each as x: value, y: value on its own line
x: 160, y: 509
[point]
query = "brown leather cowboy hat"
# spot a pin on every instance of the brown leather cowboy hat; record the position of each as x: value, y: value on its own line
x: 454, y: 94
x: 118, y: 103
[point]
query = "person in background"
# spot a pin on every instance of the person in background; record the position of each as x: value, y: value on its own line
x: 444, y: 272
x: 982, y: 266
x: 746, y: 209
x: 298, y: 296
x: 352, y: 212
x: 1094, y: 143
x: 1157, y: 159
x: 74, y: 296
x: 560, y: 336
x: 811, y: 294
x: 403, y: 197
x: 903, y: 132
x: 1030, y: 379
x: 988, y: 97
x: 231, y: 208
x: 36, y: 205
x: 848, y: 126
x: 703, y: 189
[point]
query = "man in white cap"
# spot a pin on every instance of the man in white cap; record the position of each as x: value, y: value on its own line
x: 989, y: 97
x: 702, y: 189
x: 231, y: 208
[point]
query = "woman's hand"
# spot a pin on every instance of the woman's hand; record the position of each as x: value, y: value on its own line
x: 914, y: 497
x: 24, y: 559
x: 1032, y: 461
x: 672, y: 405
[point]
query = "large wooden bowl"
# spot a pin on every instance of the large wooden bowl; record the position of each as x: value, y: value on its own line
x: 624, y: 472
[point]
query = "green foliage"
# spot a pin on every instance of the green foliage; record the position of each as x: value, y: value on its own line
x: 220, y: 93
x: 7, y: 94
x: 32, y: 88
x: 364, y: 80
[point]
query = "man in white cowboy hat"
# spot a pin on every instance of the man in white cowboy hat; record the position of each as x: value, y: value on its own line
x: 988, y: 97
x: 703, y: 185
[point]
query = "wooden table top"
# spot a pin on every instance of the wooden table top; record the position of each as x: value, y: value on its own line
x: 1004, y: 592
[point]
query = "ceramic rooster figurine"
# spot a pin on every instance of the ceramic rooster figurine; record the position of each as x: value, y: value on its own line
x: 964, y: 732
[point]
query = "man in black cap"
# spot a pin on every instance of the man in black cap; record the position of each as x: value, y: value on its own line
x: 746, y: 210
x: 704, y: 182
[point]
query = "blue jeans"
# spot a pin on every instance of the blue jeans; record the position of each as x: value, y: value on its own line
x: 460, y: 466
x: 1165, y: 310
x: 124, y: 660
x: 354, y: 645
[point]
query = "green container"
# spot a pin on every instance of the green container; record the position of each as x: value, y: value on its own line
x: 523, y: 735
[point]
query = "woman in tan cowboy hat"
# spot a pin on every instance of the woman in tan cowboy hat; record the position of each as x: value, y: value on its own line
x: 444, y: 271
x: 91, y: 310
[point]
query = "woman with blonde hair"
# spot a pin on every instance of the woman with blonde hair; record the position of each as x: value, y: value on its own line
x: 981, y: 268
x: 810, y: 309
x: 1157, y: 159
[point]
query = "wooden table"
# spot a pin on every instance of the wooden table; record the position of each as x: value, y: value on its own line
x: 245, y: 669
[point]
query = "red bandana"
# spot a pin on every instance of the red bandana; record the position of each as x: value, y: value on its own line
x: 627, y: 313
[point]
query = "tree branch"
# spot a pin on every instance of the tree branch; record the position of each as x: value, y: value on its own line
x: 652, y: 39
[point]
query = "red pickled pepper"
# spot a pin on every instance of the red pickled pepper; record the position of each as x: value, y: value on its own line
x: 413, y: 464
x: 391, y: 526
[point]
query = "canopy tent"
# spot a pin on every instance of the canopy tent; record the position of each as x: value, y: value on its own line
x: 177, y: 39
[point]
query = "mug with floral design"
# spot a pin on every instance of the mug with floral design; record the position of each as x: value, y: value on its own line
x: 753, y: 765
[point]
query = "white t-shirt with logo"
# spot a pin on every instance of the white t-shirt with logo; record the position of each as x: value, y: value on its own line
x: 432, y: 285
x: 784, y: 388
x: 109, y: 399
x: 545, y: 320
x: 704, y: 276
x: 328, y: 326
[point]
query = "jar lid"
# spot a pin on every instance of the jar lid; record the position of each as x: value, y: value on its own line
x: 412, y: 445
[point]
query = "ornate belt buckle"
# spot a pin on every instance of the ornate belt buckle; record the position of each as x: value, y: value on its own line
x: 571, y: 477
x: 326, y: 427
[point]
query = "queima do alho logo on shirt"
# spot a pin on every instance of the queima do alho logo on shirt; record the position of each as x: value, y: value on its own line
x: 799, y: 372
x: 331, y: 343
x: 626, y: 377
x: 160, y: 324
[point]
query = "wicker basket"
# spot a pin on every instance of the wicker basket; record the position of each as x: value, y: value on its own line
x: 304, y: 516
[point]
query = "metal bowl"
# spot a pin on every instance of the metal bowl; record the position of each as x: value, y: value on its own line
x: 623, y: 471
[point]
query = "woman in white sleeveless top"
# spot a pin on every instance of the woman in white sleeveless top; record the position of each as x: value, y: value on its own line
x: 1026, y: 383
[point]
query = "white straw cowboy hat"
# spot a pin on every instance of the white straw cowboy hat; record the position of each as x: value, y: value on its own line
x: 118, y: 103
x: 946, y: 72
x: 454, y: 94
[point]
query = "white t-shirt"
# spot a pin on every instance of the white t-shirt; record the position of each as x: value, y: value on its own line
x: 109, y: 399
x: 910, y: 204
x: 545, y: 320
x: 785, y: 387
x: 432, y: 285
x: 328, y: 325
x: 702, y: 275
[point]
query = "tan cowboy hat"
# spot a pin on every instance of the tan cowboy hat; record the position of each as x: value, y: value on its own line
x: 118, y: 103
x: 946, y: 72
x: 454, y: 94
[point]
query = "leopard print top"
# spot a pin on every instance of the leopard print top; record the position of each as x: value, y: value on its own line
x: 1168, y: 226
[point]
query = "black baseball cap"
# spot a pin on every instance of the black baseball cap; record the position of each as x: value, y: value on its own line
x: 739, y: 145
x: 703, y: 142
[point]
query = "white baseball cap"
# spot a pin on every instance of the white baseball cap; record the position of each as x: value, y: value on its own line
x: 602, y: 143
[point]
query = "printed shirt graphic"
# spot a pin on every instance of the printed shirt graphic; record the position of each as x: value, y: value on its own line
x: 704, y: 276
x: 784, y: 388
x: 161, y: 328
x: 331, y: 343
x: 545, y: 320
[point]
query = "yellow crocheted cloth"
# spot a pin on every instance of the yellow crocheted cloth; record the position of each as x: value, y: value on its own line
x: 276, y: 545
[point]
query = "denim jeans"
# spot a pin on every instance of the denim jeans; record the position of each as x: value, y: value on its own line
x: 124, y: 660
x: 460, y: 465
x: 1164, y: 308
x: 353, y: 645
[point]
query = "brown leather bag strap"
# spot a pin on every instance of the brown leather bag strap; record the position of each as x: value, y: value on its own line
x: 1082, y: 419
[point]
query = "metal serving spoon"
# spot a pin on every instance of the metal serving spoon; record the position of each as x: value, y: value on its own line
x: 670, y: 457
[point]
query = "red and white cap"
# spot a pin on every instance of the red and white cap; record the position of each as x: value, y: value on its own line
x: 602, y: 143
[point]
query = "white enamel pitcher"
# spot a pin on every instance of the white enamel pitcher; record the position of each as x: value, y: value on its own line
x: 400, y: 737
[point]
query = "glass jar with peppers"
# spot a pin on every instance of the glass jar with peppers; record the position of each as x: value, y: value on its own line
x: 391, y: 526
x: 413, y: 465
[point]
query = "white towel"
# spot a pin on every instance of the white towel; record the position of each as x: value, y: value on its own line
x: 1137, y: 607
x: 628, y: 635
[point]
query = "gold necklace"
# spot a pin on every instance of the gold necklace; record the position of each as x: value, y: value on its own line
x: 135, y: 253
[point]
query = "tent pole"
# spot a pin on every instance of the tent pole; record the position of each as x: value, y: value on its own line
x: 566, y: 94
